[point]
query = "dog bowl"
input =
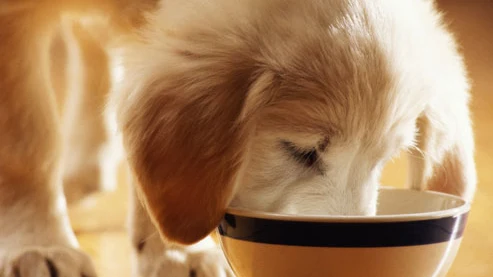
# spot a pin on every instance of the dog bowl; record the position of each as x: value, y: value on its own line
x: 414, y: 234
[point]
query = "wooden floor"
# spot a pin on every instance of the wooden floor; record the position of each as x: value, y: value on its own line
x: 99, y: 222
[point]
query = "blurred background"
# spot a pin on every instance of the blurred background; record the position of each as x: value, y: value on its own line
x: 99, y: 221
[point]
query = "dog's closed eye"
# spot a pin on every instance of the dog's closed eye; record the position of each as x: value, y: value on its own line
x: 307, y: 157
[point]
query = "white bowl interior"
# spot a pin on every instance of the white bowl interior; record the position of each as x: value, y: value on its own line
x: 393, y: 205
x: 402, y: 202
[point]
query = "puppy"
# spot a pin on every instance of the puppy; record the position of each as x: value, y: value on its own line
x: 283, y: 106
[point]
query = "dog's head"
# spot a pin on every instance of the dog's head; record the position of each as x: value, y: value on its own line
x: 285, y: 108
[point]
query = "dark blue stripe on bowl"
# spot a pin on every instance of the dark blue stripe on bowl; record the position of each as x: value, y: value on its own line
x: 320, y: 234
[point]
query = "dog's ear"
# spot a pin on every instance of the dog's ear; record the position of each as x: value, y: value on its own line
x: 186, y: 131
x: 443, y: 159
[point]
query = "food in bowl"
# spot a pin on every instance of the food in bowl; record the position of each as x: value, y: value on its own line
x: 414, y: 234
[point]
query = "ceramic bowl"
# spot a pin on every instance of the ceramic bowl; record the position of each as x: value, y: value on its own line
x: 414, y: 234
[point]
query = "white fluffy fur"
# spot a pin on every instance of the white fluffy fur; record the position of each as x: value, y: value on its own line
x: 424, y: 70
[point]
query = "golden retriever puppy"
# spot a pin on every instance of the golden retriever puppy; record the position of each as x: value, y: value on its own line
x: 282, y: 105
x: 290, y: 106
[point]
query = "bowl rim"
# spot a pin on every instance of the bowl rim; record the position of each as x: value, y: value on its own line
x: 463, y: 208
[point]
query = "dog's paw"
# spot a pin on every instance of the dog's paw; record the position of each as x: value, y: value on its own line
x: 46, y: 262
x: 210, y: 263
x: 205, y: 263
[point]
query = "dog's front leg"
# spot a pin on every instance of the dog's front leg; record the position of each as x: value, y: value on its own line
x: 35, y: 235
x: 151, y: 257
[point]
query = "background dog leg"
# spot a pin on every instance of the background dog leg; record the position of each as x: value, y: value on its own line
x: 91, y: 157
x: 35, y: 234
